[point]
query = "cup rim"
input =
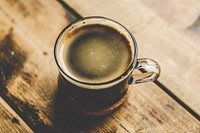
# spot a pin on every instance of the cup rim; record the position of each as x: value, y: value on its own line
x: 115, y: 80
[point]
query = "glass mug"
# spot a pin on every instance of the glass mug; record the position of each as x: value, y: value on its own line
x: 102, y: 98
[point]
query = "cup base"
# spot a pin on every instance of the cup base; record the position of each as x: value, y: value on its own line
x: 98, y: 112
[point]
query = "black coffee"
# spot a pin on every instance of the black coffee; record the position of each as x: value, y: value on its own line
x: 96, y: 53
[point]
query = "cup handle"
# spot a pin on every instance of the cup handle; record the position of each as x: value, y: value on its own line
x: 150, y: 71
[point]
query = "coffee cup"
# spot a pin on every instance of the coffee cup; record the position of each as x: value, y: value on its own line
x: 96, y: 57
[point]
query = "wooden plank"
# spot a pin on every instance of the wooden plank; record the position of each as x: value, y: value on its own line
x: 28, y: 71
x: 180, y: 13
x: 175, y: 51
x: 27, y: 40
x: 10, y: 121
x: 148, y: 109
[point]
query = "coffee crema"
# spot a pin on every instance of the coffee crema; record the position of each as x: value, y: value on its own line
x: 96, y: 53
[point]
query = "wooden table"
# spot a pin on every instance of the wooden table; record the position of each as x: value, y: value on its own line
x: 167, y: 31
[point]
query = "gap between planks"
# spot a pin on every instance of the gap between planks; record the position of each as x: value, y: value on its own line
x: 21, y: 125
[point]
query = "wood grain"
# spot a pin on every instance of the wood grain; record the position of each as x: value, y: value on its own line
x: 159, y: 37
x: 148, y: 109
x: 28, y: 71
x: 29, y: 79
x: 10, y: 121
x: 180, y: 14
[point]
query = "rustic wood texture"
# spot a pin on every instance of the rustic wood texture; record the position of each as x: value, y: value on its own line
x: 28, y: 76
x: 167, y: 31
x: 10, y: 121
x: 180, y: 14
x: 28, y: 71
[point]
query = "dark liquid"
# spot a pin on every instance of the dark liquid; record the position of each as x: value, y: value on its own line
x: 96, y: 54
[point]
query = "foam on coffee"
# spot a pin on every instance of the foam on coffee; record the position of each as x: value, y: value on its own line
x: 96, y: 53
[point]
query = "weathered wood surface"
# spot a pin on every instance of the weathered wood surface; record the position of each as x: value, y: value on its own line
x: 10, y: 121
x: 167, y: 31
x: 29, y: 79
x: 180, y: 14
x: 28, y: 71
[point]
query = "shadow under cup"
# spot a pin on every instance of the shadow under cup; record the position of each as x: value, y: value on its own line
x: 101, y: 98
